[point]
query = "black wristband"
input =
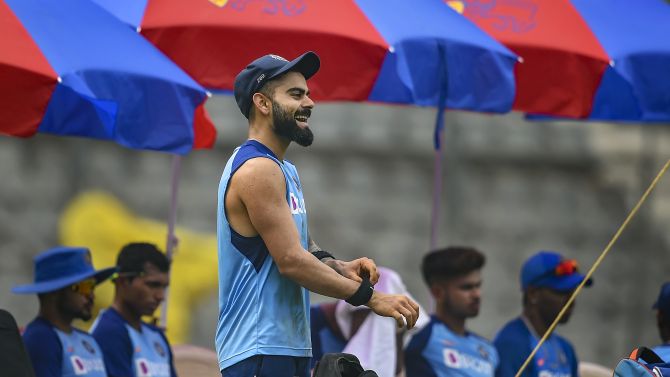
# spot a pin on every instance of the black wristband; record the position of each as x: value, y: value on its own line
x: 362, y: 295
x: 320, y: 254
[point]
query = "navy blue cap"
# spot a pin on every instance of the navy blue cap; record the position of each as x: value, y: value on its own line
x: 252, y: 78
x: 540, y: 271
x: 62, y: 266
x: 663, y: 301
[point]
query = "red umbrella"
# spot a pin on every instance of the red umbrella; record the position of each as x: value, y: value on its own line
x: 563, y: 62
x: 392, y: 51
x: 69, y: 68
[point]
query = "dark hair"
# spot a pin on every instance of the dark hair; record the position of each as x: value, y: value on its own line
x: 268, y: 90
x: 451, y: 262
x: 134, y: 256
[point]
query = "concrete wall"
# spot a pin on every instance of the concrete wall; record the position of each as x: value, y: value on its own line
x: 511, y: 187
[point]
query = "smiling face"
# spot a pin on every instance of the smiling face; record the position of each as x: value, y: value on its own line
x: 291, y: 108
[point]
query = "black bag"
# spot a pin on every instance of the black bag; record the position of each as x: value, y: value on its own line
x: 14, y: 359
x: 341, y: 365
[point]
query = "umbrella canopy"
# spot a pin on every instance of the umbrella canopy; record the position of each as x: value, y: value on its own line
x: 563, y: 61
x: 70, y: 68
x: 392, y: 51
x: 635, y: 34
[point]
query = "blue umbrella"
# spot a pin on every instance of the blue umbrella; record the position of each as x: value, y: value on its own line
x: 110, y: 83
x: 636, y: 36
x: 393, y: 51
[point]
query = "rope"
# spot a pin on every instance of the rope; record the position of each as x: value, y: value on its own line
x: 604, y: 253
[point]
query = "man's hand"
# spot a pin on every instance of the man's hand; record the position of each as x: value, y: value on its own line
x: 399, y: 307
x: 356, y: 270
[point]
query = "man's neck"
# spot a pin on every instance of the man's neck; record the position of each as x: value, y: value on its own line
x: 456, y: 325
x: 266, y: 136
x: 133, y: 319
x: 533, y: 319
x: 56, y: 319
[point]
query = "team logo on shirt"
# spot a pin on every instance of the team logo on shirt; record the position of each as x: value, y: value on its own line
x: 146, y: 368
x: 88, y: 347
x: 77, y: 365
x: 84, y: 366
x: 159, y: 349
x: 458, y: 360
x: 297, y: 205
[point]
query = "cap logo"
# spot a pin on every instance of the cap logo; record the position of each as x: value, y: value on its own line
x: 260, y: 78
x: 278, y: 57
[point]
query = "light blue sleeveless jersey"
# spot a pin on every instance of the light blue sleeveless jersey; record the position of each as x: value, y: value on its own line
x: 260, y: 311
x: 436, y: 351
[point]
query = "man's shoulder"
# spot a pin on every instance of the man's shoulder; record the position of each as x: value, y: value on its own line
x: 40, y: 335
x: 39, y: 329
x: 420, y: 339
x: 253, y: 151
x: 512, y: 332
x: 480, y: 339
x: 108, y: 323
x: 565, y: 343
x: 153, y: 328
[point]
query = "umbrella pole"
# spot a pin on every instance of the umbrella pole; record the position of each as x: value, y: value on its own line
x: 437, y: 140
x: 437, y: 191
x: 171, y: 241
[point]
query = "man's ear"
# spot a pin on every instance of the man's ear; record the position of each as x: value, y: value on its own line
x: 532, y: 295
x: 436, y: 289
x: 262, y: 103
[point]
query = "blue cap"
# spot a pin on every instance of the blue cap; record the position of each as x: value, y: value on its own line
x: 663, y: 301
x: 260, y: 71
x: 62, y: 266
x: 540, y: 270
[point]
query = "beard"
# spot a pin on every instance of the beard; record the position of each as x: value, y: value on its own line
x: 287, y: 127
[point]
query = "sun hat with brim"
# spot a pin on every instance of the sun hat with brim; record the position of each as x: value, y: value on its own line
x: 62, y: 266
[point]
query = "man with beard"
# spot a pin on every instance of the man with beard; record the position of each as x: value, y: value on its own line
x: 131, y: 347
x: 64, y: 283
x: 265, y: 268
x: 547, y: 282
x: 445, y: 347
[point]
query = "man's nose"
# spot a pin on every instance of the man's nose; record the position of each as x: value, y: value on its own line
x: 477, y: 293
x: 160, y: 294
x: 308, y: 103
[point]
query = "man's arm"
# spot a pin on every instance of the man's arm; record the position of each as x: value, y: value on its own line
x: 355, y: 270
x: 45, y: 352
x: 260, y: 188
x: 511, y: 356
x: 117, y: 349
